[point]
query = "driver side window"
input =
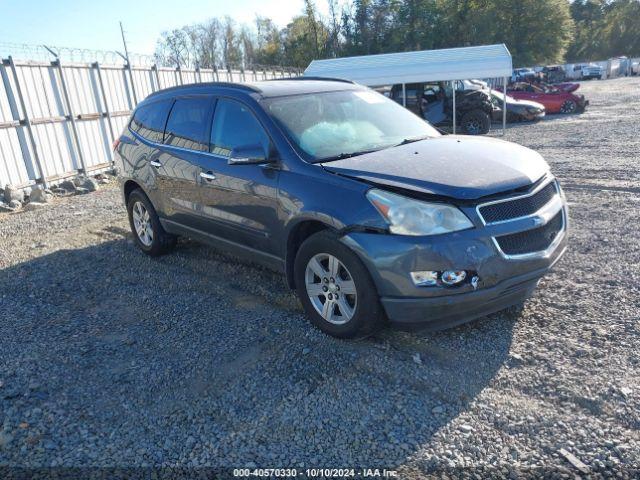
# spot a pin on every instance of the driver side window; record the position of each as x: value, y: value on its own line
x: 234, y: 125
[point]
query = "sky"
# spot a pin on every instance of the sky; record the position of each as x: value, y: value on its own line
x: 94, y: 24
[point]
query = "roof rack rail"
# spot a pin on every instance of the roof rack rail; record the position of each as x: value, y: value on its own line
x: 242, y: 86
x: 326, y: 79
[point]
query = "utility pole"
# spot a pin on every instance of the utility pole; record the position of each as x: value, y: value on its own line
x: 124, y: 41
x: 126, y: 57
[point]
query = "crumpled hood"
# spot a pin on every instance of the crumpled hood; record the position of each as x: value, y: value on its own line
x: 567, y: 87
x: 457, y: 166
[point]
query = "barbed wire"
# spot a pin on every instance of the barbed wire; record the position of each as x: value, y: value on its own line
x: 45, y: 53
x: 24, y: 51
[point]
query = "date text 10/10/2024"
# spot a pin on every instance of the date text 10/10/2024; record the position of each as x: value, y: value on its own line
x: 315, y: 472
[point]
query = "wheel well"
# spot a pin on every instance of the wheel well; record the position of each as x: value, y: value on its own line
x: 298, y: 235
x: 129, y: 187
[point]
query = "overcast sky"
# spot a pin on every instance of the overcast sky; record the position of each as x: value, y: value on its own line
x: 94, y: 24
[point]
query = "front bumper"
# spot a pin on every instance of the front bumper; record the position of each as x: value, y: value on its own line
x: 533, y: 116
x: 451, y: 310
x: 582, y: 105
x: 503, y: 281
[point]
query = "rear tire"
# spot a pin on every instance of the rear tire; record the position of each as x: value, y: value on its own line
x: 475, y: 122
x: 569, y: 106
x: 148, y: 233
x: 335, y: 288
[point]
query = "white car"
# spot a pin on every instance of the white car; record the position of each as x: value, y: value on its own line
x: 584, y: 71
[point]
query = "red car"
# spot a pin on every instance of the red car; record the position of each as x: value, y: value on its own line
x: 554, y: 100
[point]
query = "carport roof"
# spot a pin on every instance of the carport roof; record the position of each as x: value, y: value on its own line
x: 484, y: 61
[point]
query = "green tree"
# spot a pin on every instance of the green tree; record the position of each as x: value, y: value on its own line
x: 535, y: 31
x: 301, y: 43
x: 621, y: 29
x: 269, y: 48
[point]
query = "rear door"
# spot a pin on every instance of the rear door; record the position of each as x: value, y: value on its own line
x: 140, y: 152
x: 178, y: 165
x: 239, y: 202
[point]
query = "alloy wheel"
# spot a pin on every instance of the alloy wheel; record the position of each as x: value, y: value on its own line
x: 331, y: 288
x: 142, y: 223
x: 568, y: 107
x: 472, y: 127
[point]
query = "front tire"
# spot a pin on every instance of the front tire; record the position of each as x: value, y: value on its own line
x: 335, y: 288
x: 475, y: 122
x: 147, y: 231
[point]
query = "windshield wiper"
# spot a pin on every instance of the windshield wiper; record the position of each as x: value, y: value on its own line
x: 411, y: 140
x: 342, y: 156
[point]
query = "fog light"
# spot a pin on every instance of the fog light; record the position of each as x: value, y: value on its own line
x: 453, y: 277
x: 426, y: 278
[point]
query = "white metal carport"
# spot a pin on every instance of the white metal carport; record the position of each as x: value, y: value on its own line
x: 450, y: 64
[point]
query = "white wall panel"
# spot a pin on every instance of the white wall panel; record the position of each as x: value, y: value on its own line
x: 57, y: 147
x: 12, y: 167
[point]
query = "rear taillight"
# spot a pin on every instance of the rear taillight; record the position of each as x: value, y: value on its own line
x: 116, y: 143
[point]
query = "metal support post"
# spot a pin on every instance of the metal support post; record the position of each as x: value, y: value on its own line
x: 105, y: 106
x: 27, y: 122
x: 453, y: 89
x: 154, y: 68
x: 504, y: 106
x: 67, y: 101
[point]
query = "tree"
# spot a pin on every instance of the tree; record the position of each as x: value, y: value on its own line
x: 535, y: 31
x: 588, y: 16
x: 173, y: 48
x: 621, y: 29
x: 269, y: 48
x: 301, y: 45
x: 231, y: 50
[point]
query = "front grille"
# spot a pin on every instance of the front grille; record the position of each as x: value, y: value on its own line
x: 520, y: 207
x: 531, y: 241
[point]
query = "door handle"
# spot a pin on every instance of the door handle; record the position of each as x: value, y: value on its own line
x: 155, y: 163
x: 207, y: 176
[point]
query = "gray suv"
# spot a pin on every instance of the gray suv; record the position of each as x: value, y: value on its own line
x: 370, y: 213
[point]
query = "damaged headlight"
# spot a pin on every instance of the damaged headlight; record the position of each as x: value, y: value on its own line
x: 407, y: 216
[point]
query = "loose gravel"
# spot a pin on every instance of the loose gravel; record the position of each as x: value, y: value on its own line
x: 112, y: 359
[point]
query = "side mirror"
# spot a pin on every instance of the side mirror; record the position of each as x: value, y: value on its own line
x: 248, y: 155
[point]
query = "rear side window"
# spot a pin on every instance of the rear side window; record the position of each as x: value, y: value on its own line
x: 149, y: 120
x: 234, y: 125
x: 188, y: 123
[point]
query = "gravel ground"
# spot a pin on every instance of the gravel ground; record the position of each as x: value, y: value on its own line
x: 112, y: 359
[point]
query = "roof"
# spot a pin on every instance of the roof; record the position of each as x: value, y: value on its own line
x: 298, y: 85
x: 265, y: 88
x: 485, y: 61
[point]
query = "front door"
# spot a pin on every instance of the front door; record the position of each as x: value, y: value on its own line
x: 239, y: 202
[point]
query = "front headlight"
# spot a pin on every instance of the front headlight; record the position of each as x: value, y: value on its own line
x: 407, y: 216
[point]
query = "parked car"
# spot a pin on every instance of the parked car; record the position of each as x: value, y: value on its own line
x: 585, y: 71
x: 517, y: 110
x: 523, y: 74
x: 368, y: 211
x: 635, y: 68
x: 554, y: 100
x: 434, y: 102
x: 554, y: 74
